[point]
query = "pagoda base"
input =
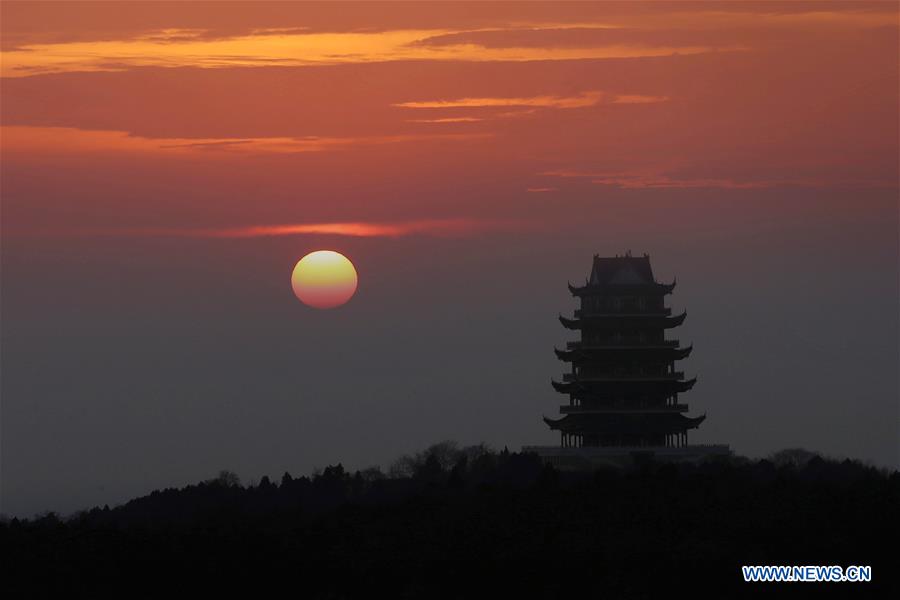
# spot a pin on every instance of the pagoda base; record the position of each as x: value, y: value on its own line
x: 624, y: 457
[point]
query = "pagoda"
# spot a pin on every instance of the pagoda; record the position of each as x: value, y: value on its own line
x: 622, y: 385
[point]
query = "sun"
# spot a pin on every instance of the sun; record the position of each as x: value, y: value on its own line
x: 324, y: 279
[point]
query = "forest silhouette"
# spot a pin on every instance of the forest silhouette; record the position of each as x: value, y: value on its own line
x: 463, y: 522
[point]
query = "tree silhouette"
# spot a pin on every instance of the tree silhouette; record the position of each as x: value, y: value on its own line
x: 492, y: 524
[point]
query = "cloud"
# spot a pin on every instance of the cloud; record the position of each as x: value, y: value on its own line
x: 651, y: 181
x: 446, y: 120
x: 540, y: 190
x: 448, y: 228
x: 27, y: 139
x: 369, y: 31
x: 588, y: 98
x: 432, y: 227
x: 294, y: 47
x: 580, y: 100
x: 635, y: 180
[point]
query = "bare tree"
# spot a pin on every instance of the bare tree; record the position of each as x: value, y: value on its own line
x: 227, y: 478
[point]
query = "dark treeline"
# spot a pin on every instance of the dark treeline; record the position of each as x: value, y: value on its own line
x: 470, y: 522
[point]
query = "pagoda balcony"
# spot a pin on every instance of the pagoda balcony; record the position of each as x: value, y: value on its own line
x: 650, y: 312
x: 569, y: 409
x: 624, y: 344
x: 649, y: 354
x: 619, y: 321
x: 649, y: 288
x: 676, y: 375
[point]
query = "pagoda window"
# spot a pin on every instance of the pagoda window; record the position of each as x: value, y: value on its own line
x: 642, y: 303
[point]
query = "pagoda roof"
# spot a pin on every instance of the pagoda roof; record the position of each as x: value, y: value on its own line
x: 586, y: 353
x: 611, y: 320
x: 581, y: 388
x: 625, y: 423
x: 622, y: 272
x: 647, y: 288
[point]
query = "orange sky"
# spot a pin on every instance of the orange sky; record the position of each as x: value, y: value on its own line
x: 649, y: 95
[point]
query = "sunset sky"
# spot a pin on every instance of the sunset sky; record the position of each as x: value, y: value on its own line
x: 165, y: 165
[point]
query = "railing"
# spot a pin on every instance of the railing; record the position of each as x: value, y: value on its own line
x: 649, y: 312
x: 569, y: 377
x: 624, y: 343
x: 569, y: 408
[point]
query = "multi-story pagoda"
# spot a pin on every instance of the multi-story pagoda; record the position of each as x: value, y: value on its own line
x: 623, y: 385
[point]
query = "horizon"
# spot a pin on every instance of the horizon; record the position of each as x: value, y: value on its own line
x: 447, y: 457
x: 165, y: 167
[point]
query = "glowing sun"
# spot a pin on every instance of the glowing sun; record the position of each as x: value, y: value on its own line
x: 324, y: 279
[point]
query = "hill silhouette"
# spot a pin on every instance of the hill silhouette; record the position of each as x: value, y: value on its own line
x: 455, y: 522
